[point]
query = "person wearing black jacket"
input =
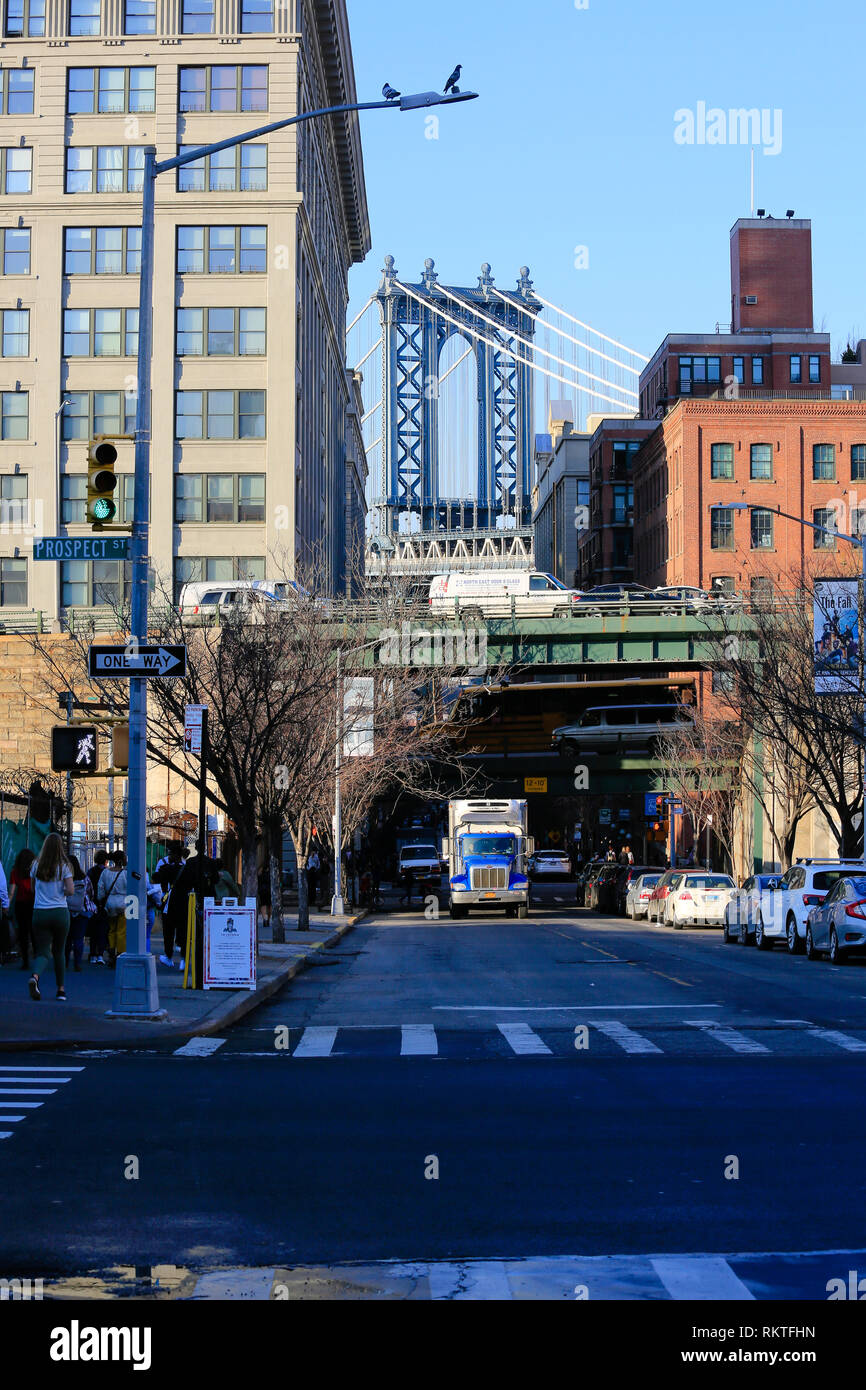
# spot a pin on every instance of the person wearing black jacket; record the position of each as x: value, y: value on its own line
x: 99, y: 920
x: 167, y: 874
x: 176, y: 912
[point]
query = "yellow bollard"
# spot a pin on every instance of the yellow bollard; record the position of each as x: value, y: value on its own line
x: 189, y: 956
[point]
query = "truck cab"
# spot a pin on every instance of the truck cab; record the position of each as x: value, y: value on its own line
x: 487, y: 849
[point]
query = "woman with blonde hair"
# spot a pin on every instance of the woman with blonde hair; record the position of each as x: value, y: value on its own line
x: 52, y: 885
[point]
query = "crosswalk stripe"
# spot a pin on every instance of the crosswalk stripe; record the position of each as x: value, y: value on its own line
x: 35, y: 1080
x: 6, y: 1133
x: 831, y: 1035
x: 626, y: 1037
x: 418, y: 1040
x: 700, y: 1277
x: 26, y: 1092
x: 316, y: 1042
x: 522, y: 1040
x: 199, y: 1047
x: 737, y: 1042
x: 29, y: 1069
x: 11, y: 1119
x: 20, y: 1105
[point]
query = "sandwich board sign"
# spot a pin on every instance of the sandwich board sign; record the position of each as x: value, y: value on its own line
x: 229, y: 944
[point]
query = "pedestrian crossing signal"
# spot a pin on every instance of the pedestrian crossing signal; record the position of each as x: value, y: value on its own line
x: 101, y: 482
x: 74, y: 748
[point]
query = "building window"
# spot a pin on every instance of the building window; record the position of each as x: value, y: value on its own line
x: 221, y: 332
x: 100, y: 332
x: 623, y: 456
x: 197, y: 17
x: 220, y: 415
x: 739, y: 370
x: 25, y: 19
x: 13, y: 583
x: 15, y: 250
x: 858, y: 463
x: 83, y: 17
x: 219, y: 497
x: 97, y: 412
x: 757, y: 371
x: 761, y: 588
x: 245, y: 167
x: 16, y: 92
x: 698, y: 371
x: 223, y: 88
x: 823, y: 462
x: 796, y: 370
x: 722, y: 681
x: 721, y: 528
x: 110, y: 90
x: 222, y: 250
x: 623, y: 503
x: 16, y: 332
x: 762, y: 528
x: 257, y: 16
x: 722, y: 461
x: 216, y: 569
x: 105, y: 169
x: 814, y: 369
x: 16, y: 170
x: 101, y: 250
x: 722, y: 584
x: 761, y: 461
x: 139, y: 17
x: 94, y: 583
x: 826, y: 517
x: 14, y: 415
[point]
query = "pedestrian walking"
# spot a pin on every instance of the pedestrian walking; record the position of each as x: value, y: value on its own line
x: 225, y: 886
x: 21, y: 903
x: 314, y: 865
x: 168, y: 871
x: 111, y: 893
x: 52, y: 886
x: 99, y: 920
x: 81, y: 908
x: 6, y: 952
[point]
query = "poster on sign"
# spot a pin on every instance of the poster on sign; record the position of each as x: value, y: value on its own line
x: 836, y: 646
x: 229, y: 944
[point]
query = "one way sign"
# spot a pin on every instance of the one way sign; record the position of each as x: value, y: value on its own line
x: 136, y: 659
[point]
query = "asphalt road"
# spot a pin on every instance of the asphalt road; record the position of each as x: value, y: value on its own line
x: 584, y: 1085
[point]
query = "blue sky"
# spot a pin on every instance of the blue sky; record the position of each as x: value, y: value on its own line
x: 572, y: 144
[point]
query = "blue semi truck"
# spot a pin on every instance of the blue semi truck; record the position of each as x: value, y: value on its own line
x: 488, y: 849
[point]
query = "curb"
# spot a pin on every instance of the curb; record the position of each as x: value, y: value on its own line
x: 223, y: 1016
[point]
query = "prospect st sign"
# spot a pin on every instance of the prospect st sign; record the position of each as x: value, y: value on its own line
x: 117, y: 663
x: 81, y: 548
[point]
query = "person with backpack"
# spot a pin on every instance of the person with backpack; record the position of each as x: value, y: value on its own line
x: 111, y: 892
x: 81, y: 909
x: 167, y: 872
x: 21, y: 902
x: 53, y: 886
x: 99, y: 920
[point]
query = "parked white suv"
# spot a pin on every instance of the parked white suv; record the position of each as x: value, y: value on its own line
x: 783, y: 914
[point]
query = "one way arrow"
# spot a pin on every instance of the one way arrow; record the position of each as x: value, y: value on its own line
x: 160, y: 661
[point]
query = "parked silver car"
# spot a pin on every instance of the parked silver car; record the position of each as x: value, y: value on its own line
x: 744, y: 908
x: 639, y: 893
x: 837, y: 926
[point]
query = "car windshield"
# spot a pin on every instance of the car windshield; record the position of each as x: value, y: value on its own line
x: 708, y: 881
x: 828, y: 877
x: 647, y: 880
x: 487, y: 844
x: 419, y: 852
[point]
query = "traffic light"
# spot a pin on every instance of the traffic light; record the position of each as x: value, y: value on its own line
x: 120, y: 746
x: 74, y: 748
x: 101, y: 482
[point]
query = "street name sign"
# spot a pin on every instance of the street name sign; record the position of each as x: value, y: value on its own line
x: 81, y: 548
x: 117, y: 663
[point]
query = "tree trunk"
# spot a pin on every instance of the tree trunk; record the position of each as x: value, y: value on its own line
x: 278, y: 926
x: 303, y: 898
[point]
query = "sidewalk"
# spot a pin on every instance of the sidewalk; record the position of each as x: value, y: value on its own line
x: 82, y: 1022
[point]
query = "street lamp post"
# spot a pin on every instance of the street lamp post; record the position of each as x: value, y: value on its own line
x: 860, y: 542
x: 135, y: 989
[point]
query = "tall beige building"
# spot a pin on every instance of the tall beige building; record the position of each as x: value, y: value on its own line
x: 252, y: 405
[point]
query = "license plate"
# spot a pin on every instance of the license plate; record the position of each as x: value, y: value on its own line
x: 488, y: 895
x: 712, y: 897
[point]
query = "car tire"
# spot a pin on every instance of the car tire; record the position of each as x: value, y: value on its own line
x: 811, y: 953
x: 629, y: 912
x: 744, y: 933
x: 561, y: 612
x: 511, y: 911
x: 458, y: 913
x: 836, y: 955
x: 726, y: 936
x: 762, y: 941
x: 792, y: 936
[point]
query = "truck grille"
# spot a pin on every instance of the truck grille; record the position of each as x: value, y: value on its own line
x: 490, y: 878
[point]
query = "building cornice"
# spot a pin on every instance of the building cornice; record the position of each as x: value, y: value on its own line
x: 332, y: 26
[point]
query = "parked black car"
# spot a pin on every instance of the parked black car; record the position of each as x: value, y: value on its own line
x: 600, y: 894
x: 584, y: 878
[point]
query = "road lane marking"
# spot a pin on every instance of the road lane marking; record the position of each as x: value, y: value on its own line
x: 6, y: 1133
x: 729, y: 1037
x: 26, y: 1092
x: 555, y: 1008
x: 626, y: 1038
x: 21, y: 1104
x: 700, y: 1278
x: 199, y: 1047
x: 831, y: 1035
x: 35, y: 1080
x: 418, y: 1040
x: 522, y: 1040
x: 316, y: 1042
x: 601, y: 949
x: 11, y: 1119
x: 6, y: 1078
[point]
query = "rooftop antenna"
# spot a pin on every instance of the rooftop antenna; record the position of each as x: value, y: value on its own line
x: 752, y: 184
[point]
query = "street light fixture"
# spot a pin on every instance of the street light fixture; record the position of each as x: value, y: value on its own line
x: 860, y: 543
x: 135, y: 989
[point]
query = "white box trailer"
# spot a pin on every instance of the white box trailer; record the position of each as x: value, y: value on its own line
x: 487, y: 850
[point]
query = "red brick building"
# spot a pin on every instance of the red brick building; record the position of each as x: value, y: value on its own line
x: 605, y: 547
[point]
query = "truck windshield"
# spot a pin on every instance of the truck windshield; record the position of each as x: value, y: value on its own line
x: 487, y: 844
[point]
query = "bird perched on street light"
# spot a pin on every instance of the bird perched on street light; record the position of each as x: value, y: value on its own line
x: 451, y: 84
x: 389, y: 93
